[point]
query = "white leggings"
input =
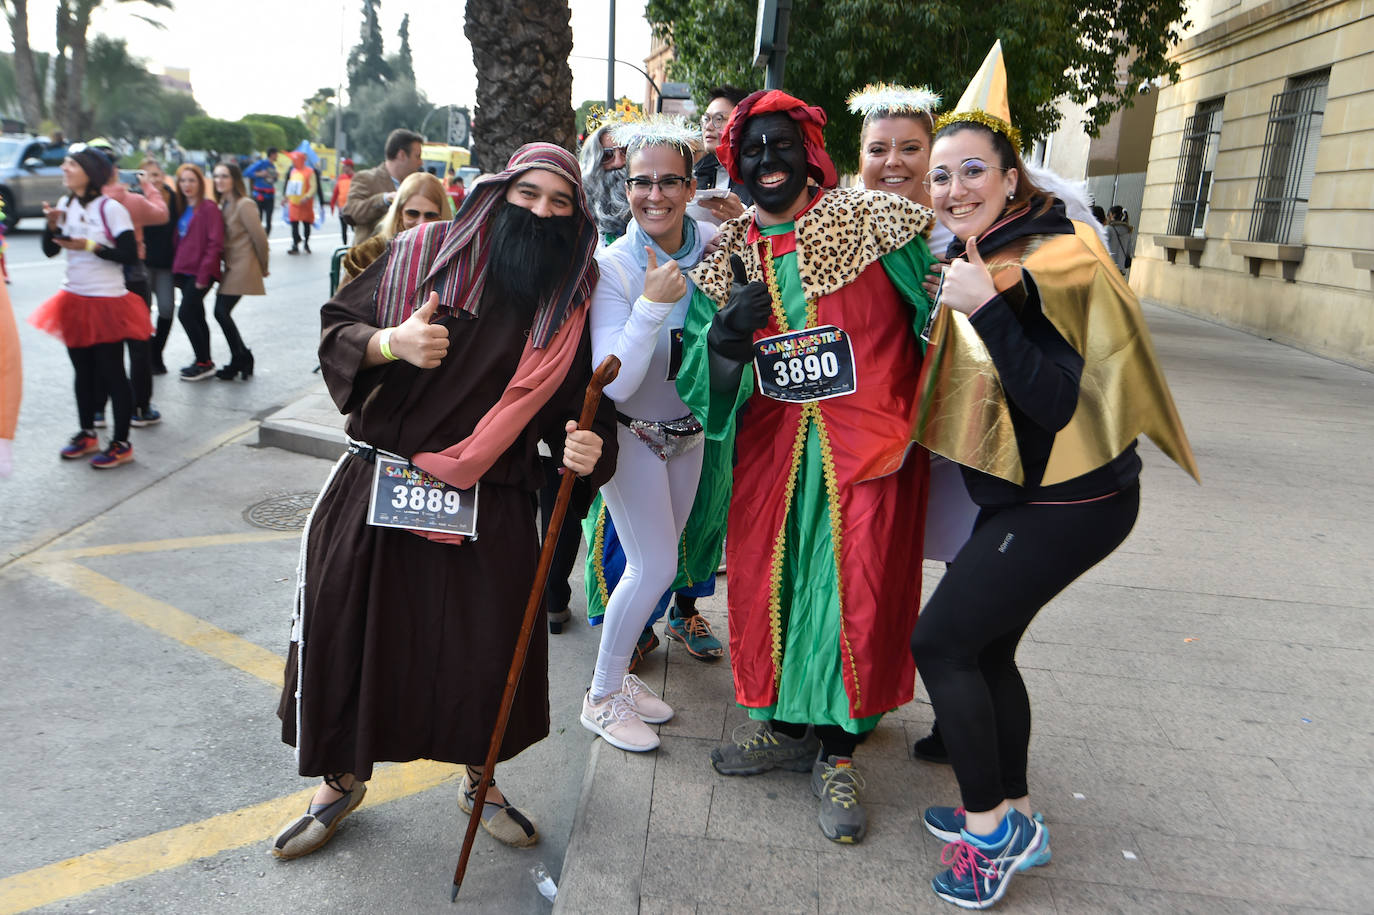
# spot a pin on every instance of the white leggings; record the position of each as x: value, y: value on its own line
x: 649, y: 501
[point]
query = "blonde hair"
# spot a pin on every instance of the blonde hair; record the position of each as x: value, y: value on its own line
x: 424, y: 184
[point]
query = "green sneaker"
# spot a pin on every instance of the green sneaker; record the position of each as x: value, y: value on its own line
x: 750, y: 752
x: 694, y: 633
x: 836, y: 782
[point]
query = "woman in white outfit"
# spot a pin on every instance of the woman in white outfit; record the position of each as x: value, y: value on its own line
x: 637, y: 313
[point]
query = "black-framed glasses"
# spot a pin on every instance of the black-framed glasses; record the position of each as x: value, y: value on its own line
x: 668, y: 184
x: 421, y: 215
x: 715, y: 120
x: 609, y: 154
x: 972, y: 173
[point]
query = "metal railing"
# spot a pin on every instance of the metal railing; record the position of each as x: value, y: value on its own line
x: 1193, y: 184
x: 1290, y: 146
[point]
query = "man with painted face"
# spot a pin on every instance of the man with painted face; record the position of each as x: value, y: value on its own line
x: 453, y: 353
x: 801, y: 350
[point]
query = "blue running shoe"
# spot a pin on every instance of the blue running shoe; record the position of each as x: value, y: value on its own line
x: 947, y: 822
x: 979, y: 874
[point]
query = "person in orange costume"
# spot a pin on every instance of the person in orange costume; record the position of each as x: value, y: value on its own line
x: 11, y: 381
x: 302, y: 186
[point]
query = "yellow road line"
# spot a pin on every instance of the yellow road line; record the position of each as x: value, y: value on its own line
x: 166, y: 619
x: 158, y: 546
x: 175, y: 847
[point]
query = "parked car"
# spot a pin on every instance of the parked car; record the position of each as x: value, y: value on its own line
x: 30, y: 173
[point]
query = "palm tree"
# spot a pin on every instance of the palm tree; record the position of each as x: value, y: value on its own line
x: 25, y: 74
x: 73, y: 24
x: 524, y: 83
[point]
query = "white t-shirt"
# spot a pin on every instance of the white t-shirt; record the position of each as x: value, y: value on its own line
x: 86, y: 273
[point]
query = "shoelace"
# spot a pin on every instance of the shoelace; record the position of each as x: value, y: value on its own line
x: 761, y: 735
x: 697, y: 627
x: 634, y: 687
x: 962, y: 858
x: 842, y: 784
x: 619, y: 708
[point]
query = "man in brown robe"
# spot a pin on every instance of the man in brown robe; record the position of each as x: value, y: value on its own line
x: 457, y: 350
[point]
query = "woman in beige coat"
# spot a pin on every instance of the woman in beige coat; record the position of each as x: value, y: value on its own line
x: 245, y: 263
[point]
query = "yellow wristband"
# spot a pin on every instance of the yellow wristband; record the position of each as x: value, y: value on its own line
x: 91, y: 245
x: 385, y: 345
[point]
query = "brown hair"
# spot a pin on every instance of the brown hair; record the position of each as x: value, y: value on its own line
x: 1028, y: 193
x: 200, y: 176
x: 235, y: 180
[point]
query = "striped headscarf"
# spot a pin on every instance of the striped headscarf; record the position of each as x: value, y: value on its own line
x: 458, y: 250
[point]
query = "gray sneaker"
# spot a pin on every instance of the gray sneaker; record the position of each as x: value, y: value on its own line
x: 836, y: 782
x: 755, y: 748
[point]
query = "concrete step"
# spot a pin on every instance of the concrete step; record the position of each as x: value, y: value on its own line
x: 308, y: 425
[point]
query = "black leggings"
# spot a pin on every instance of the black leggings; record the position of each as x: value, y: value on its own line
x: 224, y: 307
x: 100, y: 371
x: 296, y: 229
x: 266, y: 209
x: 1015, y: 562
x: 192, y: 316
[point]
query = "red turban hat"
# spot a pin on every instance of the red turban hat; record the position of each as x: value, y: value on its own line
x: 809, y: 118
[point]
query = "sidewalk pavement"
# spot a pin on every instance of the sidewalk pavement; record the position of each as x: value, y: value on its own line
x: 1204, y: 731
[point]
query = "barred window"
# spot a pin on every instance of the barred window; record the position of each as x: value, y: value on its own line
x: 1197, y: 160
x: 1290, y: 160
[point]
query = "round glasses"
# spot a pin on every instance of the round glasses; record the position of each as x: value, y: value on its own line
x: 670, y: 185
x: 972, y: 174
x: 715, y: 120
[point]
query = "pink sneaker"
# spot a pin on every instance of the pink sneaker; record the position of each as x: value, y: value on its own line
x: 646, y: 703
x: 615, y: 720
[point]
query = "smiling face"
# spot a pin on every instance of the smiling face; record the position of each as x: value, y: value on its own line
x: 659, y: 212
x: 895, y: 156
x: 542, y: 193
x: 772, y: 164
x: 74, y: 177
x: 964, y: 210
x: 612, y: 156
x: 224, y: 182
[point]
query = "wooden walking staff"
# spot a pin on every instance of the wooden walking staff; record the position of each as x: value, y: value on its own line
x: 604, y: 375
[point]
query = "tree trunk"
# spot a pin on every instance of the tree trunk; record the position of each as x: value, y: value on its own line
x: 77, y: 120
x: 61, y: 83
x: 524, y: 84
x: 25, y: 75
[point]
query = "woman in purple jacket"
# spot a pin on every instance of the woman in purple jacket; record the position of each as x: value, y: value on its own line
x: 199, y: 239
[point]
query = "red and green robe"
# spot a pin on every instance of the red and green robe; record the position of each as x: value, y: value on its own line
x: 827, y: 509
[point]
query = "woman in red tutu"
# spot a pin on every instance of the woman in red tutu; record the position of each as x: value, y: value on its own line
x: 93, y: 314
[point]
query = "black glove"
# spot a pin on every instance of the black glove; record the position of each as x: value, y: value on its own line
x: 746, y: 310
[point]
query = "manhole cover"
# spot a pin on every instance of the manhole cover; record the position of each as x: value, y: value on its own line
x: 281, y: 513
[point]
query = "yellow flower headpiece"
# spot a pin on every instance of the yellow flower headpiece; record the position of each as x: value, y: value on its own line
x: 985, y: 100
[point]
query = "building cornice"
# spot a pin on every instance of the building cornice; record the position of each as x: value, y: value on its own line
x: 1247, y: 24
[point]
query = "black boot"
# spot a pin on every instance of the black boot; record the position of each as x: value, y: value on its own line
x: 241, y: 364
x: 931, y: 748
x: 164, y: 329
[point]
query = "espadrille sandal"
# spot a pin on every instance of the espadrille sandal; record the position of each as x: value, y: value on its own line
x: 311, y: 831
x: 501, y: 819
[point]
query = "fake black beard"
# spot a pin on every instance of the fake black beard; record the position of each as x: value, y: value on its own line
x: 527, y: 255
x: 606, y: 197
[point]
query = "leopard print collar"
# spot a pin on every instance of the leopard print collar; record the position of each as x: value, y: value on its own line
x: 841, y: 233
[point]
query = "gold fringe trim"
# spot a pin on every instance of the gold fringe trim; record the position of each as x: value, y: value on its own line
x: 977, y: 116
x: 598, y: 551
x: 832, y: 493
x: 780, y: 545
x: 774, y: 290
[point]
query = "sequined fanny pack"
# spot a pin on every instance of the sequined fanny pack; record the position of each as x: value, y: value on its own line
x: 666, y: 439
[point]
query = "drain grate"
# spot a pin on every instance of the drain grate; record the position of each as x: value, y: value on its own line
x: 281, y: 513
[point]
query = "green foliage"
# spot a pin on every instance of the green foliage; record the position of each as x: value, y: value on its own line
x: 317, y: 113
x: 125, y: 100
x: 266, y: 136
x: 1052, y: 48
x: 294, y: 128
x: 214, y: 135
x: 367, y: 64
x: 374, y: 111
x: 403, y: 64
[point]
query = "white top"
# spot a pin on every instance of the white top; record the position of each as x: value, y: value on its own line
x: 638, y: 331
x: 939, y: 240
x: 86, y: 273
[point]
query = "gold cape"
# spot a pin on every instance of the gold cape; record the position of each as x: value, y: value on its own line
x: 962, y: 410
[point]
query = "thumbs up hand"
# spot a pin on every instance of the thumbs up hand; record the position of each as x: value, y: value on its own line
x: 663, y: 284
x: 748, y: 309
x: 418, y: 341
x: 968, y: 284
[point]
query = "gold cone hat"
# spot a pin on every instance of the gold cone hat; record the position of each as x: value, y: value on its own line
x: 985, y: 100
